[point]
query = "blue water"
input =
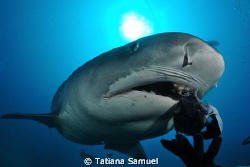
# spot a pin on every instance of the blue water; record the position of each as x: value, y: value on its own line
x: 43, y: 41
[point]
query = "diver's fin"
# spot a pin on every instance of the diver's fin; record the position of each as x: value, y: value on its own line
x: 47, y: 119
x: 134, y: 150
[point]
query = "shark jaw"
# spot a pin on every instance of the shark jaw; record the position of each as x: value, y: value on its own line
x: 142, y: 103
x: 158, y: 81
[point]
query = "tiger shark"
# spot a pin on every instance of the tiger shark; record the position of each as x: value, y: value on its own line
x: 126, y: 95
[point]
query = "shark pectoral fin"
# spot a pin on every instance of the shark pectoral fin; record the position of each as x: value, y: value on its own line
x: 47, y: 119
x: 134, y: 150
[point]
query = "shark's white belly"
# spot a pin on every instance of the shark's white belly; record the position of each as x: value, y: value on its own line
x: 113, y: 124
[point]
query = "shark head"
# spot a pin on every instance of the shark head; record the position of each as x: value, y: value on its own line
x: 129, y: 91
x: 171, y: 58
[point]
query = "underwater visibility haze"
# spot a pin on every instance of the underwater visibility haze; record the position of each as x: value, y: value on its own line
x: 43, y: 42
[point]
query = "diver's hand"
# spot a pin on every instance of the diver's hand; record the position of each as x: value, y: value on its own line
x: 193, y: 156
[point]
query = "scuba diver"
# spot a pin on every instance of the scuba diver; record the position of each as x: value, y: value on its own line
x: 191, y: 116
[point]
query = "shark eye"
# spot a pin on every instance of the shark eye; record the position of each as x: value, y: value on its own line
x: 134, y: 47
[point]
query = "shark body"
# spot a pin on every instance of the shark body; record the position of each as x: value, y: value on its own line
x: 125, y: 95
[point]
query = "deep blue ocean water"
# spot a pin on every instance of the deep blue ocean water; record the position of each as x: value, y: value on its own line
x: 43, y: 41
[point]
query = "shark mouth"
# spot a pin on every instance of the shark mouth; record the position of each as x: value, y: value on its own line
x: 173, y: 90
x: 168, y: 89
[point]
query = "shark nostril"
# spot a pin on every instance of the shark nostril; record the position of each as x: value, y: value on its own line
x: 134, y: 47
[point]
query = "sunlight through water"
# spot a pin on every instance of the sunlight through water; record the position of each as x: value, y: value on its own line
x: 135, y: 26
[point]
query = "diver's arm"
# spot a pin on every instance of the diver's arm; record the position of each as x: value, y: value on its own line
x: 214, y: 128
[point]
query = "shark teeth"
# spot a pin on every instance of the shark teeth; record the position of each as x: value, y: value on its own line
x: 167, y: 89
x: 183, y: 90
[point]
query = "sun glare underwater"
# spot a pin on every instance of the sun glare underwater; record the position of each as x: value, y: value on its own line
x: 43, y: 42
x: 135, y: 26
